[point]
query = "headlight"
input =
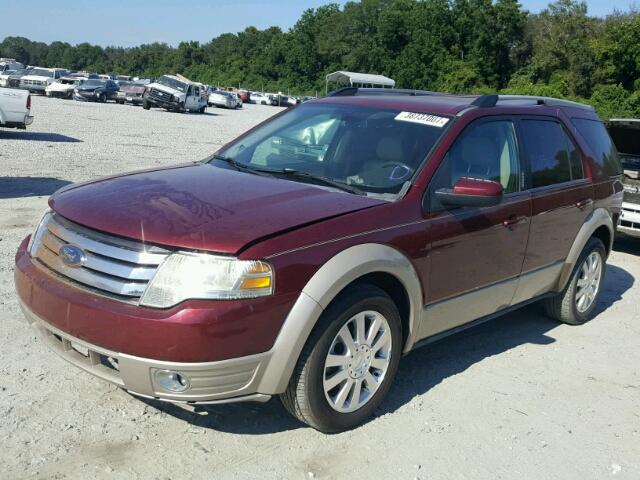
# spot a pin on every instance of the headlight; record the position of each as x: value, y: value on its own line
x: 36, y: 237
x: 185, y: 275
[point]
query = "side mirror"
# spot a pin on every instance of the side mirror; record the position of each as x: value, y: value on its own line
x: 471, y: 192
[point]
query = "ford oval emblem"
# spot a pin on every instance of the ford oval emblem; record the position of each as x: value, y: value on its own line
x: 72, y: 256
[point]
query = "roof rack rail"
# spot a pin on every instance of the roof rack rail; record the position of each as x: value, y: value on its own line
x: 491, y: 100
x: 548, y: 101
x: 485, y: 101
x: 356, y: 91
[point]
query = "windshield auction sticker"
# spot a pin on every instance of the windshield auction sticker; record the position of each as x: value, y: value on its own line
x: 422, y: 118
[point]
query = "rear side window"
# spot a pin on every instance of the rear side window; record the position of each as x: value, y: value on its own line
x: 553, y: 158
x: 598, y: 139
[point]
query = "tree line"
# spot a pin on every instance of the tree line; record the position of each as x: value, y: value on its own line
x: 454, y: 46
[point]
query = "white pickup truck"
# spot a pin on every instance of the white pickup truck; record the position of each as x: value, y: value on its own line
x: 15, y: 108
x: 175, y: 92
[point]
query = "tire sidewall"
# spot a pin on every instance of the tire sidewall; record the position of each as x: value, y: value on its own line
x: 334, y: 320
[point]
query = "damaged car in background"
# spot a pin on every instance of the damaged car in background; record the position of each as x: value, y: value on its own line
x: 96, y: 90
x: 63, y: 87
x: 175, y: 93
x: 38, y: 79
x: 626, y: 136
x: 130, y: 92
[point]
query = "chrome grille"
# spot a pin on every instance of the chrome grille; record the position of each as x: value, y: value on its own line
x: 160, y: 95
x: 111, y: 264
x: 32, y: 83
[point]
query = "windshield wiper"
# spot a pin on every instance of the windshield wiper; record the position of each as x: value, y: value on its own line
x: 290, y: 172
x: 241, y: 167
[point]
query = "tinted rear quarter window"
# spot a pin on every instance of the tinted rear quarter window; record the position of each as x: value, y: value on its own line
x: 553, y: 158
x: 598, y: 139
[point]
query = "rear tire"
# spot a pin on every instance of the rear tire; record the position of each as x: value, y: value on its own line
x: 576, y: 303
x: 368, y: 316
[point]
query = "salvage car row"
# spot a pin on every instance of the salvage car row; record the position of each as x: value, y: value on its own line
x: 171, y: 92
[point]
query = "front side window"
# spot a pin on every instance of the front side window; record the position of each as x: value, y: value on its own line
x: 488, y: 151
x: 375, y: 150
x: 552, y: 156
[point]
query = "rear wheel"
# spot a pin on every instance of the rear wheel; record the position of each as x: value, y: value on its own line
x: 349, y: 362
x: 576, y: 303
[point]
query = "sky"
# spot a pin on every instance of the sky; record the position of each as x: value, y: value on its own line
x: 129, y: 23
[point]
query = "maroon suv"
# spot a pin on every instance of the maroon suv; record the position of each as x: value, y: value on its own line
x: 306, y: 257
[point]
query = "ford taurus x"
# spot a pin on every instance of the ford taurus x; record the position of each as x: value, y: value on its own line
x: 307, y: 256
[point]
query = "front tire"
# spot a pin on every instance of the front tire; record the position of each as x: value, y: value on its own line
x: 576, y: 303
x: 146, y: 105
x: 348, y: 363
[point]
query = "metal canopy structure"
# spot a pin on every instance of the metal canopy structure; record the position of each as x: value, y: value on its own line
x: 353, y: 79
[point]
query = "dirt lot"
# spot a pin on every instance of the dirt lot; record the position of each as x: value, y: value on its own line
x: 520, y: 397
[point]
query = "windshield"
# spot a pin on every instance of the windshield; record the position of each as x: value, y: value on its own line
x: 41, y: 72
x: 93, y: 83
x: 170, y: 82
x: 375, y: 150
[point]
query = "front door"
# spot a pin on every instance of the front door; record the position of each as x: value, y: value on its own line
x: 191, y: 102
x: 476, y: 252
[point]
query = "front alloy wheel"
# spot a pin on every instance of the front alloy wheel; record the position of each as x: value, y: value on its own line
x: 357, y: 361
x: 349, y: 361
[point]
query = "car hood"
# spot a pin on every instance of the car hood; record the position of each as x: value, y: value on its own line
x: 201, y: 206
x: 132, y: 89
x: 35, y: 77
x: 89, y: 88
x: 165, y: 89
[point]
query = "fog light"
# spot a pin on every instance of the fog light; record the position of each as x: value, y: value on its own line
x: 172, y: 381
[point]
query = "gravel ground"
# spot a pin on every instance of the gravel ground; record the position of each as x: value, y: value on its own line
x: 519, y: 397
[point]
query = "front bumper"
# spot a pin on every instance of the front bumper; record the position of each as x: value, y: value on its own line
x: 211, y: 382
x: 630, y: 219
x: 87, y: 97
x: 59, y: 93
x: 34, y: 88
x: 160, y: 103
x: 228, y: 350
x: 134, y: 99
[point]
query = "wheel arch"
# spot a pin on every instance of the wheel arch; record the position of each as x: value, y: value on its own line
x: 598, y: 224
x: 382, y: 265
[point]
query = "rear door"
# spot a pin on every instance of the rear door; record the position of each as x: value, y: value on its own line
x: 561, y: 200
x: 476, y: 252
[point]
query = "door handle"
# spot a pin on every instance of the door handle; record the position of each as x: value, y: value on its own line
x: 514, y: 220
x: 584, y: 203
